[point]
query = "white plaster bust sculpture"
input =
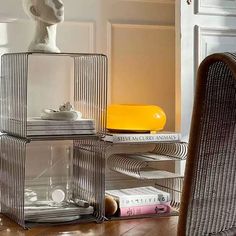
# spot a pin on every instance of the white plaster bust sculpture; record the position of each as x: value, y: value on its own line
x: 46, y: 13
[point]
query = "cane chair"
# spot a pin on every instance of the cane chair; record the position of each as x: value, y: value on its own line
x: 208, y: 204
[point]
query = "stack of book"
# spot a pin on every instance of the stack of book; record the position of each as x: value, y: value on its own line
x: 141, y: 201
x: 38, y: 127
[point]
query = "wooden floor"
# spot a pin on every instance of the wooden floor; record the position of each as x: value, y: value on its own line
x: 140, y: 227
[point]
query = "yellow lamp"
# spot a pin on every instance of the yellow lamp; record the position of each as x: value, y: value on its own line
x: 139, y: 118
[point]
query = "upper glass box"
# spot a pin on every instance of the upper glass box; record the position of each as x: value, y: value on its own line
x: 31, y: 82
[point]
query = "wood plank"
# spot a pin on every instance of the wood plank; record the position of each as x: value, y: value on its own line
x: 138, y: 227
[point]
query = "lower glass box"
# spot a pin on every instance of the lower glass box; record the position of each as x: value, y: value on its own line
x: 130, y: 167
x: 50, y: 181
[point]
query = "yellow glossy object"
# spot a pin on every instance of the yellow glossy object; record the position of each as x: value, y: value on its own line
x: 135, y: 117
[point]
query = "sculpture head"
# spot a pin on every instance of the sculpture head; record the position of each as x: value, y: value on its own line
x: 47, y: 11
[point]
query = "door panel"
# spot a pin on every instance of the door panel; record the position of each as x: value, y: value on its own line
x: 212, y: 40
x: 219, y: 7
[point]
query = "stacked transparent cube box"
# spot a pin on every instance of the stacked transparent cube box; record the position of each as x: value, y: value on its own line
x: 39, y: 169
x: 44, y: 175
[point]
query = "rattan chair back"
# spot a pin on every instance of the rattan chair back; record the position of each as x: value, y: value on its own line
x: 208, y: 204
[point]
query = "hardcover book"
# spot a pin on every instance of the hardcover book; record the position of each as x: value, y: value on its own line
x: 142, y: 137
x: 141, y: 196
x: 35, y: 121
x: 61, y: 127
x: 145, y: 210
x: 60, y: 132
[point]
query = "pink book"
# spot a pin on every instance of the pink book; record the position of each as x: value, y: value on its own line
x: 145, y: 210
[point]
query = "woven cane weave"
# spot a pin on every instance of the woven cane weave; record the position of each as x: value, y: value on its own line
x: 208, y: 205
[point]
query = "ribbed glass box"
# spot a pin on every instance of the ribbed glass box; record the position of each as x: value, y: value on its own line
x: 31, y: 82
x: 48, y: 179
x: 124, y: 169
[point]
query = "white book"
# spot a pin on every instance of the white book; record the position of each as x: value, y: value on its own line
x: 141, y: 196
x: 59, y: 132
x: 34, y: 121
x: 142, y: 137
x: 61, y: 127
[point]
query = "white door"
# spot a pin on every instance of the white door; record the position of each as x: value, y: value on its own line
x: 203, y: 27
